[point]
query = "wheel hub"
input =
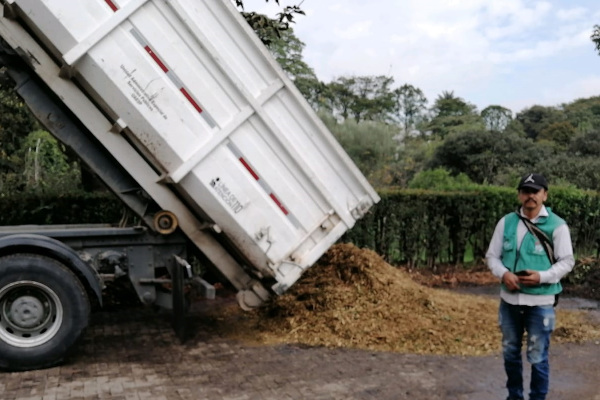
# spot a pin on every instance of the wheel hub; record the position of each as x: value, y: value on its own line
x: 27, y: 312
x: 30, y: 314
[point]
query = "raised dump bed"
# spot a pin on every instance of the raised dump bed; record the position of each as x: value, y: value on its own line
x: 198, y: 98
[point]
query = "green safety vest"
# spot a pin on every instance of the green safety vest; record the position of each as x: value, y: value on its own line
x: 531, y: 255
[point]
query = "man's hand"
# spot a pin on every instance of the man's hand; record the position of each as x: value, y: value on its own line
x: 511, y: 281
x: 531, y: 279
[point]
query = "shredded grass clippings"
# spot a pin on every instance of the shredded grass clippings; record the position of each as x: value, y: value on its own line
x: 352, y: 298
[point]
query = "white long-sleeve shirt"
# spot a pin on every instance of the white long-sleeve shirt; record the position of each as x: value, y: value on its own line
x: 563, y: 251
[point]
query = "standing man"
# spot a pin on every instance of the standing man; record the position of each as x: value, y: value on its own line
x: 530, y: 268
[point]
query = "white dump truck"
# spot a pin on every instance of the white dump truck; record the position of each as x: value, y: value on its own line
x: 182, y: 112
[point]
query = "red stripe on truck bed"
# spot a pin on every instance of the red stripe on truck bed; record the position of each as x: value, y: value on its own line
x: 276, y: 200
x: 263, y: 184
x: 191, y: 99
x: 156, y: 59
x: 111, y: 5
x: 172, y: 76
x: 249, y: 168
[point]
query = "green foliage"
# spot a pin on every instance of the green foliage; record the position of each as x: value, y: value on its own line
x: 586, y: 145
x: 15, y: 123
x: 339, y: 99
x: 481, y: 155
x: 584, y: 114
x: 419, y: 227
x: 287, y: 50
x: 447, y: 104
x: 74, y: 208
x: 314, y: 91
x: 581, y: 210
x: 371, y: 145
x: 447, y: 125
x: 411, y: 159
x: 42, y: 166
x: 266, y: 28
x: 364, y: 98
x: 496, y: 118
x: 453, y: 115
x: 596, y: 37
x: 416, y: 226
x: 409, y: 106
x: 439, y: 179
x: 559, y: 132
x: 583, y: 270
x: 582, y: 171
x: 537, y: 118
x: 515, y: 127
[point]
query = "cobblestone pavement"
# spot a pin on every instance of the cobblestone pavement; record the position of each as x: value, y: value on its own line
x: 134, y: 354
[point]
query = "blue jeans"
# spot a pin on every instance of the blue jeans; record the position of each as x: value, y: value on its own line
x: 538, y: 322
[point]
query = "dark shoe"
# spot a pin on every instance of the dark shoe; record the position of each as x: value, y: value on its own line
x: 514, y: 398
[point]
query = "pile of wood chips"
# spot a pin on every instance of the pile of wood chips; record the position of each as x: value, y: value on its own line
x: 353, y: 298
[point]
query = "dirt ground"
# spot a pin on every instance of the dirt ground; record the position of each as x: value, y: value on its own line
x: 352, y: 298
x: 131, y: 352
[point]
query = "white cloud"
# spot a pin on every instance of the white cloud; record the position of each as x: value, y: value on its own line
x: 584, y: 87
x: 541, y: 49
x: 571, y: 14
x: 354, y: 31
x: 459, y: 45
x: 514, y: 20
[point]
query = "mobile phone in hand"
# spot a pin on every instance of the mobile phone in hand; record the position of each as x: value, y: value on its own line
x: 522, y: 273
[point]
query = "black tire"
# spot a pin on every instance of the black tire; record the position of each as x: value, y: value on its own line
x: 44, y: 309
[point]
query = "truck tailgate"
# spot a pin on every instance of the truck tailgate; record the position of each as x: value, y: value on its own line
x: 198, y: 95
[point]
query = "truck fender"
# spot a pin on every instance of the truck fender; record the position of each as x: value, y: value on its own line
x: 49, y: 247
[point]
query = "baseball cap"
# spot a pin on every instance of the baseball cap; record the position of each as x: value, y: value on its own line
x: 534, y: 181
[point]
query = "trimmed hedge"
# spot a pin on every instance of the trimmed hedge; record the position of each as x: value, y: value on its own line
x: 417, y: 227
x: 71, y: 208
x: 414, y: 227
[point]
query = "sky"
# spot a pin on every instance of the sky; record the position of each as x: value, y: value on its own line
x: 512, y: 53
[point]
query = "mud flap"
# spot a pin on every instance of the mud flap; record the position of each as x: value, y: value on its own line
x: 178, y: 275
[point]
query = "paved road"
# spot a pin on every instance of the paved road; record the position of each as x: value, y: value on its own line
x: 133, y: 354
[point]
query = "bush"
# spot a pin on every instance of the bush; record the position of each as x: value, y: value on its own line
x: 439, y: 179
x: 27, y: 208
x: 419, y: 227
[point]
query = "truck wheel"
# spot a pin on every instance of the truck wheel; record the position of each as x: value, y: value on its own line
x: 44, y: 309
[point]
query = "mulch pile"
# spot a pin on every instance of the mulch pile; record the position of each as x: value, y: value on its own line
x: 353, y: 298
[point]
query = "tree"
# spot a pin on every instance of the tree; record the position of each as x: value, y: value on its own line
x: 496, y: 118
x: 449, y: 105
x: 586, y: 145
x: 15, y: 123
x: 365, y: 98
x: 371, y: 145
x: 481, y: 154
x: 453, y: 114
x: 340, y: 98
x: 43, y: 165
x: 584, y: 114
x: 267, y: 28
x: 560, y: 133
x: 596, y: 37
x: 583, y: 172
x: 439, y: 179
x: 409, y: 105
x: 536, y: 118
x: 412, y: 157
x: 515, y: 127
x: 287, y: 50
